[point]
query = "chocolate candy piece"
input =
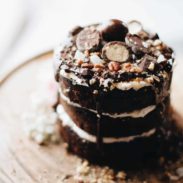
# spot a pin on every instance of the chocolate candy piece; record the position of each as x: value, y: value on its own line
x: 88, y: 39
x: 75, y: 30
x: 134, y: 27
x: 113, y: 30
x: 116, y: 51
x: 136, y: 43
x: 147, y: 63
x: 134, y: 40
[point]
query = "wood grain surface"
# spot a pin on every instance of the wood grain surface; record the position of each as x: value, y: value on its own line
x: 23, y: 161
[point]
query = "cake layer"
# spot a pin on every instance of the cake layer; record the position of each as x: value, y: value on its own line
x: 165, y: 141
x: 114, y: 127
x: 127, y: 154
x: 115, y: 101
x: 91, y: 135
x: 134, y: 114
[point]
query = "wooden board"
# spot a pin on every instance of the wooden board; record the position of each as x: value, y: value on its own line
x: 21, y: 160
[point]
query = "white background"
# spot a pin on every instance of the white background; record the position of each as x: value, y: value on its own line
x: 28, y: 27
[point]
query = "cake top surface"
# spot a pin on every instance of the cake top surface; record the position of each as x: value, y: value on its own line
x: 115, y: 51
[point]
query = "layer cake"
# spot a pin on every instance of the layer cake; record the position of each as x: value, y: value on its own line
x: 114, y: 92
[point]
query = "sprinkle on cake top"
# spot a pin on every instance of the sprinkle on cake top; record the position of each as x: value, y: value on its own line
x: 115, y: 50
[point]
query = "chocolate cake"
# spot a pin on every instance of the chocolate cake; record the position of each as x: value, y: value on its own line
x: 114, y: 93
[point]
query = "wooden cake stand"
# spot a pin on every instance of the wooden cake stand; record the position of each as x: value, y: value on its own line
x: 23, y: 161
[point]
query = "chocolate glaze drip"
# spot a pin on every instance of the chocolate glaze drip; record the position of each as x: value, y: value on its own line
x: 99, y: 116
x: 99, y: 137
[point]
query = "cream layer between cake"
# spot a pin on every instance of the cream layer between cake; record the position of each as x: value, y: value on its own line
x: 134, y: 114
x: 67, y: 121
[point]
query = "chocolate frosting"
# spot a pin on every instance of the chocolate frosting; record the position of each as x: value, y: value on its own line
x: 115, y: 50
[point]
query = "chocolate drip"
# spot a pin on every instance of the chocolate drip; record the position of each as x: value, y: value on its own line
x: 99, y: 116
x: 99, y: 137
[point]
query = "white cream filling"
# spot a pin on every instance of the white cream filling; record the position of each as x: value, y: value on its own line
x: 134, y: 114
x: 73, y: 77
x: 136, y: 85
x: 67, y: 121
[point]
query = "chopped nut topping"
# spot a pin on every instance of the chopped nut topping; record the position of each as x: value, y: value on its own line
x: 79, y: 62
x: 74, y: 48
x: 135, y: 69
x: 143, y: 34
x: 99, y: 66
x: 97, y: 69
x: 117, y: 51
x: 92, y: 81
x: 157, y: 42
x: 151, y: 66
x: 126, y: 67
x: 149, y: 42
x: 87, y: 65
x: 157, y: 53
x: 114, y: 66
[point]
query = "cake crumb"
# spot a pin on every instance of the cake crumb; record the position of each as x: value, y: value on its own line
x: 95, y: 174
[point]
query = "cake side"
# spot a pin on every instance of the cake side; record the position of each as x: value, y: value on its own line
x: 116, y: 126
